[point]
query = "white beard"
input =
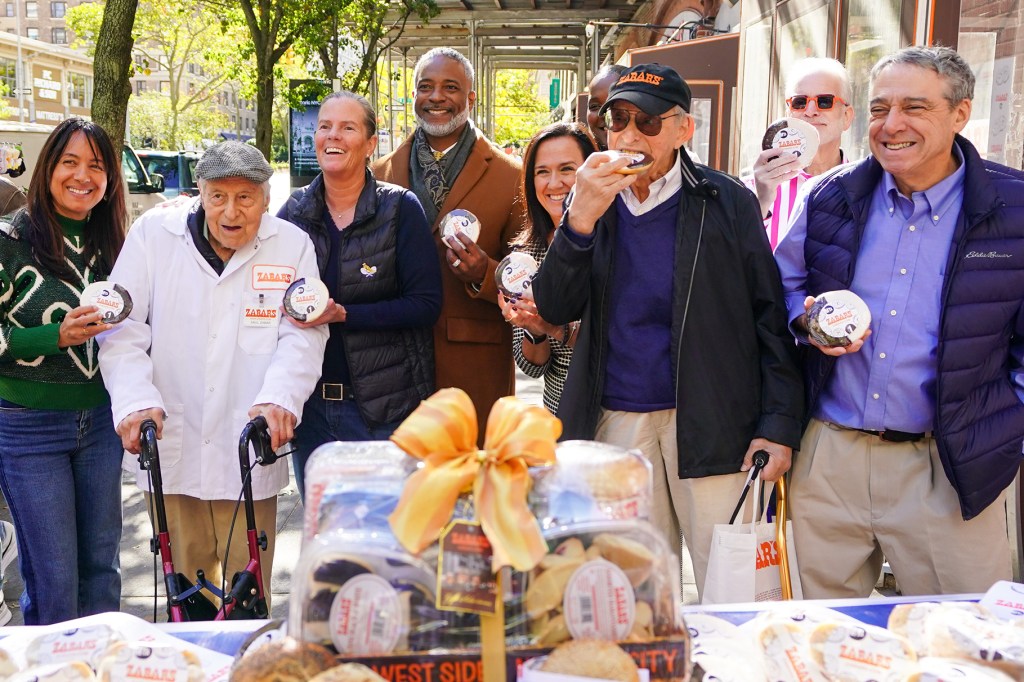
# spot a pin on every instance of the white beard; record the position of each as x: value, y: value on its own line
x: 443, y: 129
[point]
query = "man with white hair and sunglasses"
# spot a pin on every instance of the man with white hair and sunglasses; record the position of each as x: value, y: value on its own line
x: 817, y: 92
x: 683, y: 350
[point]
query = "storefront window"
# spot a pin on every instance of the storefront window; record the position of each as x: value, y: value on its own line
x: 755, y: 75
x: 874, y: 32
x: 992, y: 42
x: 700, y: 143
x: 802, y: 33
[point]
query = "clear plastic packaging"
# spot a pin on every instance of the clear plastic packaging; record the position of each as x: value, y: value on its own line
x: 592, y: 481
x: 608, y: 574
x: 353, y: 486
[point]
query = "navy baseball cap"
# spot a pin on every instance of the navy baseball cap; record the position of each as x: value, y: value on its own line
x: 654, y: 88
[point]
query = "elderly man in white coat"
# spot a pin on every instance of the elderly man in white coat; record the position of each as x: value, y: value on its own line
x: 205, y: 350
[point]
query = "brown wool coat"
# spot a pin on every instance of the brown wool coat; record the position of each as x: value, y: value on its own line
x: 472, y: 341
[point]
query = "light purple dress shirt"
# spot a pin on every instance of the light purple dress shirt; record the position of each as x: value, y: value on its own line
x: 901, y: 268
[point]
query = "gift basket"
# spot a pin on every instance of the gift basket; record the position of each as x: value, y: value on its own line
x: 428, y: 556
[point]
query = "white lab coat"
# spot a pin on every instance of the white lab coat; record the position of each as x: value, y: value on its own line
x: 191, y: 348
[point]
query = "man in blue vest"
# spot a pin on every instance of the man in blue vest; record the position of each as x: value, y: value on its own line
x: 916, y: 430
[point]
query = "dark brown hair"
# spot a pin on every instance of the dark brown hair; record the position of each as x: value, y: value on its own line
x: 538, y: 223
x: 105, y: 228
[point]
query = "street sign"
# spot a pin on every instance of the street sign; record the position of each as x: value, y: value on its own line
x: 554, y: 92
x: 27, y: 92
x: 396, y: 107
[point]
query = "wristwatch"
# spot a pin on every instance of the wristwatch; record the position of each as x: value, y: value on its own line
x: 534, y: 339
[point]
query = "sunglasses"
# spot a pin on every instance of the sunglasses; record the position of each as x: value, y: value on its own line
x: 616, y: 121
x: 824, y: 102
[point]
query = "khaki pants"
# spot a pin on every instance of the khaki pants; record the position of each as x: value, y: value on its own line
x: 690, y: 505
x: 855, y: 498
x: 199, y: 537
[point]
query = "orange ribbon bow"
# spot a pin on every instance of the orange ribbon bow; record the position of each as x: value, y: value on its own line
x: 442, y: 433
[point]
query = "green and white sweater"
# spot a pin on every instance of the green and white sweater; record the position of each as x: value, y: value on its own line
x: 34, y: 372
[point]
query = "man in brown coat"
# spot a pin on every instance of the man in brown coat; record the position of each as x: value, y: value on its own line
x: 448, y: 163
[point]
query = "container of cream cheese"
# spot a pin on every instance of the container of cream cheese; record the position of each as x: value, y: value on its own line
x: 460, y: 220
x: 838, y: 318
x: 514, y: 275
x: 112, y: 299
x: 306, y: 299
x: 794, y: 136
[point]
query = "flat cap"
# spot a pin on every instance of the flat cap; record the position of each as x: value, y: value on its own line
x: 233, y: 159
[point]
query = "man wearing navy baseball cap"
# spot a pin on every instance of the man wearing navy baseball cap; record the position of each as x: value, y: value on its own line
x: 684, y: 351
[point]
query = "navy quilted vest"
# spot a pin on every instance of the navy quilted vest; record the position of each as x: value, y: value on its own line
x: 979, y: 425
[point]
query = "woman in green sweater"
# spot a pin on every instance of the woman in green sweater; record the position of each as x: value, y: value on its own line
x: 60, y: 457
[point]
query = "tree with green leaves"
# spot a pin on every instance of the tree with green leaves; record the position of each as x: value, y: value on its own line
x: 274, y: 26
x: 190, y: 48
x: 365, y: 28
x: 112, y: 65
x: 149, y: 113
x: 519, y: 110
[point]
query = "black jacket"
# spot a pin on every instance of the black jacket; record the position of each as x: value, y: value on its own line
x: 733, y: 357
x: 392, y: 369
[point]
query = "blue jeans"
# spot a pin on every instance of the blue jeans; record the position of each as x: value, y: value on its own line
x: 60, y: 471
x: 325, y: 421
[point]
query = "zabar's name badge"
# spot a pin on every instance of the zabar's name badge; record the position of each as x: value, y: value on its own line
x: 464, y: 577
x: 272, y: 277
x: 259, y: 312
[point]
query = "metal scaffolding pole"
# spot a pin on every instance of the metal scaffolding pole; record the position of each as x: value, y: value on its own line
x: 391, y: 99
x: 581, y: 69
x: 405, y: 94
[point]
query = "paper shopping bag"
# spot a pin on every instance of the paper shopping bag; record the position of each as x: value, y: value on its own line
x: 743, y: 565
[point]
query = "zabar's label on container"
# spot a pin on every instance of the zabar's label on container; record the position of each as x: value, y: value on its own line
x: 792, y: 135
x: 599, y: 602
x: 465, y: 581
x: 863, y: 652
x: 113, y: 300
x: 838, y: 318
x: 272, y: 277
x: 460, y: 220
x: 366, y: 616
x: 79, y: 644
x: 515, y: 273
x: 140, y: 662
x: 306, y: 299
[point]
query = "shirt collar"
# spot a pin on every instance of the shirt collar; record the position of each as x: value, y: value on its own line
x: 661, y: 190
x: 939, y: 196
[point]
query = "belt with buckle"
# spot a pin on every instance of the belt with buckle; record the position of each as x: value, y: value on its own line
x: 891, y: 436
x: 337, y: 392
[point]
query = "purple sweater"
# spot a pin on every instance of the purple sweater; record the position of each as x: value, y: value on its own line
x: 638, y: 376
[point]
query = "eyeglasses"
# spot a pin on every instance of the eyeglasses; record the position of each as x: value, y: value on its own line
x: 824, y: 102
x: 616, y: 121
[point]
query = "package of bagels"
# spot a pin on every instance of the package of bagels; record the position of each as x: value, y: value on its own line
x: 429, y: 558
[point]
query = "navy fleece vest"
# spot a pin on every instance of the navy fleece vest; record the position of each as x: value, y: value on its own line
x: 979, y: 421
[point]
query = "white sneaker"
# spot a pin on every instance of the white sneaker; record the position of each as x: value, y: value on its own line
x: 5, y: 611
x: 9, y: 549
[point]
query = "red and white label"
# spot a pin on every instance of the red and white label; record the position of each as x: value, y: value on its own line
x: 272, y: 277
x: 599, y: 602
x: 366, y: 616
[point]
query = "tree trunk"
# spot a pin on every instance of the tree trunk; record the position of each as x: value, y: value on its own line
x: 112, y: 68
x: 264, y: 103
